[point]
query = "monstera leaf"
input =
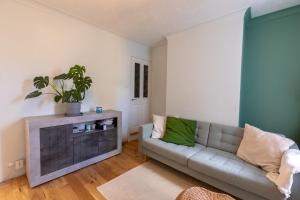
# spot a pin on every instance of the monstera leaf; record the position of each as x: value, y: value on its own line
x: 75, y: 72
x: 41, y: 82
x: 83, y: 84
x: 72, y: 96
x: 75, y: 94
x: 66, y: 97
x: 61, y: 77
x: 33, y: 94
x: 57, y: 98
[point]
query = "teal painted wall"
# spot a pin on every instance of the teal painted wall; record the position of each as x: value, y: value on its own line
x: 270, y: 83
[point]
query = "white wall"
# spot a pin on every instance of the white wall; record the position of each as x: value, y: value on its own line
x: 158, y: 80
x: 38, y: 41
x: 204, y: 68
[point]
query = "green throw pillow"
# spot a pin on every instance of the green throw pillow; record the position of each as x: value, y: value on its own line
x: 180, y: 131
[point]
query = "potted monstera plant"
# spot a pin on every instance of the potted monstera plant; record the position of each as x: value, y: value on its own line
x: 68, y: 88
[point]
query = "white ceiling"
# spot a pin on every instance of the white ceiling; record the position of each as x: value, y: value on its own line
x: 149, y: 21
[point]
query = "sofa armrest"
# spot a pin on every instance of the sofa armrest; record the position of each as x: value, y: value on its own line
x: 295, y: 189
x: 144, y: 132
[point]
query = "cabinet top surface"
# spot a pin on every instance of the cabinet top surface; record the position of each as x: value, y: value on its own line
x: 62, y: 117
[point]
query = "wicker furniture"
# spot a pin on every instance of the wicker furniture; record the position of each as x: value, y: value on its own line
x: 199, y: 193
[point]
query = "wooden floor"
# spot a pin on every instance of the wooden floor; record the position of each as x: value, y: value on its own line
x: 77, y: 185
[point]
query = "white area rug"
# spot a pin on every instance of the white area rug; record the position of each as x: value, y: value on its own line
x: 149, y: 181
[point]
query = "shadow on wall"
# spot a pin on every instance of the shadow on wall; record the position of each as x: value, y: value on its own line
x: 12, y: 145
x: 12, y: 132
x: 12, y: 137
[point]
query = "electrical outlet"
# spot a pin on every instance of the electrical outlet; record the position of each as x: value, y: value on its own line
x: 10, y: 164
x: 19, y: 164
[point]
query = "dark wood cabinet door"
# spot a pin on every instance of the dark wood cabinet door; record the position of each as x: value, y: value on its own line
x: 108, y: 141
x: 86, y: 147
x: 56, y: 148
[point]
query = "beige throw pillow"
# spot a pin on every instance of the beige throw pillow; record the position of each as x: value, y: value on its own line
x: 262, y: 148
x: 159, y: 126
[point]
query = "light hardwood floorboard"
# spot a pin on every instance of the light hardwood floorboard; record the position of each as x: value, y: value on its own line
x: 79, y: 185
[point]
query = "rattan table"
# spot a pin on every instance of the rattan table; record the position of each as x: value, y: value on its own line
x: 200, y: 193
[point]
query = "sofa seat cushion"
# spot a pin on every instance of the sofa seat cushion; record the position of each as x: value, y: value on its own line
x: 177, y: 153
x: 230, y: 169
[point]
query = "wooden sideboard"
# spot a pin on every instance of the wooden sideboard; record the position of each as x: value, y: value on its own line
x: 57, y: 145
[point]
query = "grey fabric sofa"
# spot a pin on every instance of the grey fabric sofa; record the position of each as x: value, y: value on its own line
x: 213, y: 160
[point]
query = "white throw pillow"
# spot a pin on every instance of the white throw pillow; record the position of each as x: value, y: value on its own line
x: 159, y: 128
x: 262, y: 148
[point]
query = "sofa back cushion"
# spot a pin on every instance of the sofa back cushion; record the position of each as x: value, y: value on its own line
x: 202, y: 130
x: 226, y: 138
